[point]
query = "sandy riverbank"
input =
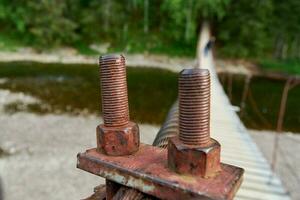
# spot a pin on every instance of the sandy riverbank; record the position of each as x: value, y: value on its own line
x: 70, y: 56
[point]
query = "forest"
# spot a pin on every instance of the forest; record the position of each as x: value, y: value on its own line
x: 243, y: 28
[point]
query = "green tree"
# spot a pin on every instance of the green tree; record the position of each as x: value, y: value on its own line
x: 285, y: 28
x: 243, y: 32
x: 39, y: 22
x: 184, y: 16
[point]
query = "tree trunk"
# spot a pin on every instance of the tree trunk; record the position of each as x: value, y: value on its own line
x: 188, y: 18
x: 293, y: 49
x: 146, y: 16
x: 106, y: 12
x: 278, y: 47
x: 284, y: 51
x: 298, y: 48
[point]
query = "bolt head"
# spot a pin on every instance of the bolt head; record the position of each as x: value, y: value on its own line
x: 194, y: 160
x: 118, y: 141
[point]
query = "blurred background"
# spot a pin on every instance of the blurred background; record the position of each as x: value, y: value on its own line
x: 49, y: 84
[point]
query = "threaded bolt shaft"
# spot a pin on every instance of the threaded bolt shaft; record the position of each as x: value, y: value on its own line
x: 114, y: 90
x: 194, y: 106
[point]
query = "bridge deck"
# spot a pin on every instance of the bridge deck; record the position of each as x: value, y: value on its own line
x: 238, y: 148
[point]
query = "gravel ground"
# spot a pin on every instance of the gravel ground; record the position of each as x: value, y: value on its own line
x: 288, y: 157
x: 42, y: 155
x: 38, y: 153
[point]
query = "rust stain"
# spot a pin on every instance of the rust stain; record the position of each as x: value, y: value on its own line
x: 147, y: 171
x: 118, y: 135
x: 193, y: 151
x: 116, y: 141
x: 189, y: 169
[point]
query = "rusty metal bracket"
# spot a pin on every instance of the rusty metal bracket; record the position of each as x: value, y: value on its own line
x: 189, y: 169
x: 147, y: 171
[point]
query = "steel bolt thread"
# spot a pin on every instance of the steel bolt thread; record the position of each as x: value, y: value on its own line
x: 114, y: 90
x: 194, y: 106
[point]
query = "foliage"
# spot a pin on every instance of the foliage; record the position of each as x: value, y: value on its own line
x: 243, y: 31
x: 285, y: 29
x: 39, y: 22
x: 48, y: 23
x: 258, y: 28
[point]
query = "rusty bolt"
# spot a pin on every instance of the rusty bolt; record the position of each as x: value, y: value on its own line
x: 118, y: 135
x: 193, y: 151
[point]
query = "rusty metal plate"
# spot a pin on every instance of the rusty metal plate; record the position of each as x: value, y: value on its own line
x: 147, y: 171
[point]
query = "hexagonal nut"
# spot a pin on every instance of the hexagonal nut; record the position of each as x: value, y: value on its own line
x: 118, y: 141
x: 194, y: 160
